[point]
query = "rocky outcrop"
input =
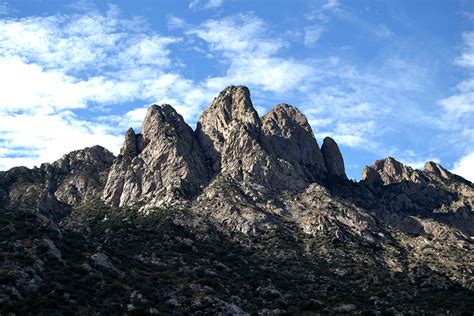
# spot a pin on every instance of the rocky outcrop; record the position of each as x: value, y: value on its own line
x: 431, y: 192
x: 333, y: 158
x: 243, y: 197
x: 163, y: 163
x: 289, y: 137
x: 231, y: 108
x: 55, y: 187
x: 80, y: 175
x: 389, y: 171
x: 277, y: 152
x: 437, y: 170
x: 133, y: 144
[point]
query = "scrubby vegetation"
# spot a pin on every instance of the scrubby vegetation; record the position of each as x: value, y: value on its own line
x: 116, y: 261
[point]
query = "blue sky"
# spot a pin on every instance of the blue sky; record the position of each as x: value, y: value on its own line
x: 381, y: 77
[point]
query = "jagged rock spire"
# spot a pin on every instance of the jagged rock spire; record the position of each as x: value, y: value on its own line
x: 388, y: 171
x: 162, y: 161
x: 436, y: 169
x: 278, y: 151
x: 289, y: 136
x: 133, y: 143
x: 232, y: 106
x: 333, y: 158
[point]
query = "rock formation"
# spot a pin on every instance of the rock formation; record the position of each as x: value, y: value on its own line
x: 388, y: 171
x: 289, y: 137
x: 232, y: 108
x: 333, y: 158
x: 276, y: 152
x: 436, y: 169
x: 54, y: 188
x: 162, y: 163
x: 245, y: 215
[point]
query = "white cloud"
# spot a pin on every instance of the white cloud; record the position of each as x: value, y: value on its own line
x: 243, y: 34
x: 312, y: 34
x: 458, y: 105
x: 465, y: 167
x: 467, y: 57
x: 459, y: 111
x: 83, y: 41
x: 47, y: 137
x: 174, y: 22
x: 246, y: 45
x: 4, y: 8
x: 320, y: 9
x: 204, y: 5
x: 52, y: 65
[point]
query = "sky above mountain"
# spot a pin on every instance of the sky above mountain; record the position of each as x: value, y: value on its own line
x: 383, y: 78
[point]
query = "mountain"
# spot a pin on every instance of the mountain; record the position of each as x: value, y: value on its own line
x: 244, y: 215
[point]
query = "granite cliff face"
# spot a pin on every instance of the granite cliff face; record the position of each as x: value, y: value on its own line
x: 333, y: 158
x: 162, y: 163
x: 55, y: 188
x: 231, y: 110
x: 246, y: 214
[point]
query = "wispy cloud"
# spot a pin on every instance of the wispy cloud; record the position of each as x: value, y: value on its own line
x: 50, y: 66
x: 312, y: 34
x: 318, y: 16
x: 459, y: 111
x: 4, y: 8
x: 205, y: 4
x: 467, y: 57
x: 243, y: 42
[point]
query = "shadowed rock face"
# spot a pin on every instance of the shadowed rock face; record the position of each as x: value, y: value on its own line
x: 434, y: 193
x: 289, y: 137
x: 333, y: 158
x: 387, y: 171
x: 54, y: 188
x: 221, y: 211
x: 232, y: 107
x: 274, y: 153
x: 163, y: 162
x: 437, y: 170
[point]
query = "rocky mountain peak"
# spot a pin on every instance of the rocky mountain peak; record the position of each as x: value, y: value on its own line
x: 387, y: 171
x: 96, y: 156
x: 289, y: 136
x: 231, y: 107
x: 333, y: 158
x: 233, y: 103
x: 161, y: 163
x: 436, y: 169
x: 159, y: 117
x: 55, y: 187
x: 133, y: 144
x: 214, y: 242
x: 284, y: 119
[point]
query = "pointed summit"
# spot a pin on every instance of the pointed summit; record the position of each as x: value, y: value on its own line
x: 436, y: 169
x: 388, y: 171
x: 154, y: 166
x: 290, y: 137
x: 232, y: 106
x: 133, y: 144
x: 333, y: 158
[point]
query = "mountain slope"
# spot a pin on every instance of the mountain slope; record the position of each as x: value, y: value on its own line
x: 243, y: 215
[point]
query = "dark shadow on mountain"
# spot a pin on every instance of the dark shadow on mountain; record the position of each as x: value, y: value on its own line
x: 394, y: 203
x: 112, y: 258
